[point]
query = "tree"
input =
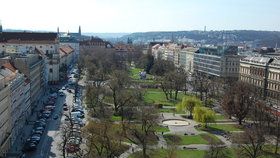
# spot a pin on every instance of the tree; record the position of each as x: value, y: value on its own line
x: 188, y: 104
x: 162, y: 67
x: 146, y: 62
x: 201, y: 84
x: 118, y: 83
x: 204, y: 115
x: 103, y: 139
x: 238, y: 101
x: 143, y: 132
x: 251, y: 142
x: 217, y: 151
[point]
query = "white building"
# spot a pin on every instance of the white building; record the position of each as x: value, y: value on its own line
x: 26, y: 42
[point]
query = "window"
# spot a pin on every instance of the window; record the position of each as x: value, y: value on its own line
x: 51, y: 70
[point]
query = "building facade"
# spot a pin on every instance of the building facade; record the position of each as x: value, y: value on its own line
x: 26, y: 42
x: 5, y: 117
x: 221, y: 61
x: 32, y: 66
x: 186, y: 58
x: 17, y: 84
x: 263, y: 73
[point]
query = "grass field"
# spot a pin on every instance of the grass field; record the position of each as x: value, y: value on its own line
x: 220, y: 128
x: 116, y: 118
x: 156, y: 96
x: 161, y: 129
x: 161, y: 153
x: 219, y: 117
x: 192, y: 139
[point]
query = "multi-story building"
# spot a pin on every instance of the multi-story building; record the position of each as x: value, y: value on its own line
x: 5, y: 116
x: 186, y: 58
x: 26, y: 42
x: 221, y: 61
x: 15, y: 104
x: 17, y: 95
x: 273, y: 79
x: 71, y: 41
x: 264, y: 73
x: 66, y: 55
x: 32, y: 66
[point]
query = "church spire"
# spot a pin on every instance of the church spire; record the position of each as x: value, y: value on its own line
x: 80, y: 31
x: 1, y: 29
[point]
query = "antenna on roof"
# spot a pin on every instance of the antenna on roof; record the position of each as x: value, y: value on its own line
x: 1, y: 29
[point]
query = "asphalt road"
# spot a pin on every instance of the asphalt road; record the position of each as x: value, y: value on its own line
x: 49, y: 143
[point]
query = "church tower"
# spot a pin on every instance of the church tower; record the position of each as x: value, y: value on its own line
x: 80, y: 31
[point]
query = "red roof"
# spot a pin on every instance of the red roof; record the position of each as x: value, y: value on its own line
x: 10, y: 67
x: 66, y: 49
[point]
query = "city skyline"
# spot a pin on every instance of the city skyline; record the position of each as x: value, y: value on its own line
x: 140, y: 16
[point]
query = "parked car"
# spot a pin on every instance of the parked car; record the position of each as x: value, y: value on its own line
x: 37, y: 132
x: 40, y: 124
x: 30, y: 146
x: 55, y: 117
x: 65, y: 108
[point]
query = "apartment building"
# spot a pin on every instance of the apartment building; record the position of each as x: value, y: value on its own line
x: 68, y: 40
x: 221, y: 61
x: 67, y: 55
x: 5, y: 118
x: 17, y: 101
x: 264, y: 73
x: 32, y: 66
x: 26, y: 42
x: 186, y: 56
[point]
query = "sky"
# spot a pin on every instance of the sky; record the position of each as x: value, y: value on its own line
x: 108, y: 16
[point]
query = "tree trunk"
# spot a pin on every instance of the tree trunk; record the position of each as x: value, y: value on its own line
x: 277, y: 138
x: 176, y: 94
x: 240, y: 121
x: 145, y: 151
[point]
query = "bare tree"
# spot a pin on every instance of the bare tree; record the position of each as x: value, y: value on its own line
x: 238, y: 101
x: 102, y: 140
x: 143, y: 132
x: 252, y: 142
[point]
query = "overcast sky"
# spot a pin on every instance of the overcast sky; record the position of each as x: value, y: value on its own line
x: 140, y: 15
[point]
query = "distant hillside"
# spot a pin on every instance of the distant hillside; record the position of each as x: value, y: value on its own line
x: 106, y: 35
x: 257, y: 38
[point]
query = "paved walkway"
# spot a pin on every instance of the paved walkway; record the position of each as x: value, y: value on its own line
x: 181, y: 130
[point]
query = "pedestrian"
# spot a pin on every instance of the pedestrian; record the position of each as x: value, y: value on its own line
x: 132, y: 149
x: 161, y: 133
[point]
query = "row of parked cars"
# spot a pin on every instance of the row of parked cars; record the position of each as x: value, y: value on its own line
x: 40, y: 125
x: 77, y: 118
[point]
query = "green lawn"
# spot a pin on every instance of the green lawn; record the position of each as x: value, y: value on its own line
x: 116, y: 118
x: 219, y: 117
x: 185, y: 140
x: 225, y: 127
x: 161, y: 129
x: 192, y: 139
x: 134, y: 74
x: 220, y: 128
x: 168, y: 110
x: 156, y: 96
x: 162, y: 153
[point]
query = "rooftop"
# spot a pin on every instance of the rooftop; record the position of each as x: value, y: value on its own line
x: 27, y: 36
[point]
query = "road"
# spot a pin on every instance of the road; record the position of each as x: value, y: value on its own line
x: 49, y: 143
